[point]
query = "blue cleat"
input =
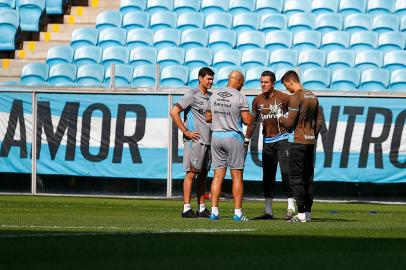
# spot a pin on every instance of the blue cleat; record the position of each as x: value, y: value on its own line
x: 240, y: 218
x: 214, y: 217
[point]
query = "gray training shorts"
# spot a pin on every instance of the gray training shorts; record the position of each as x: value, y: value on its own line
x: 227, y: 150
x: 196, y: 157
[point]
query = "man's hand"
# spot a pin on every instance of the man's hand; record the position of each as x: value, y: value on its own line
x: 246, y: 145
x: 193, y: 135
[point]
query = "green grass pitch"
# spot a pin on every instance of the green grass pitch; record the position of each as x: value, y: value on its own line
x: 99, y: 233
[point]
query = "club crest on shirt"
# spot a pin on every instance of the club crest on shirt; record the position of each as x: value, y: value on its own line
x: 273, y: 110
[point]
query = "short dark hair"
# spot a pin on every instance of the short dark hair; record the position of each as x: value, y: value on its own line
x: 290, y: 75
x: 205, y: 71
x: 268, y: 73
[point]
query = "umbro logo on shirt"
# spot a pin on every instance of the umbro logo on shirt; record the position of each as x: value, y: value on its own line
x: 225, y: 94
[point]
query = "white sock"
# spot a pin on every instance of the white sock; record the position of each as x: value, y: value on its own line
x: 268, y: 206
x: 291, y: 204
x: 186, y: 207
x: 215, y: 211
x: 202, y: 207
x: 238, y: 212
x: 301, y: 216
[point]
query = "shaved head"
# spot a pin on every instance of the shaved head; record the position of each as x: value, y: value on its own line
x: 235, y: 79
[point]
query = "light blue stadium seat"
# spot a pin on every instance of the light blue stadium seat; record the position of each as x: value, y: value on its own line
x: 391, y: 41
x: 283, y: 59
x: 170, y: 56
x: 269, y: 6
x: 194, y: 76
x: 394, y: 60
x: 87, y: 55
x: 144, y: 76
x: 368, y: 59
x: 272, y: 22
x: 247, y: 21
x: 347, y: 7
x: 112, y: 37
x: 241, y: 6
x: 154, y: 6
x: 306, y: 40
x: 194, y: 38
x: 301, y: 22
x: 34, y: 73
x: 253, y: 77
x: 9, y: 23
x: 311, y: 59
x: 278, y: 76
x: 221, y: 78
x: 324, y: 6
x: 398, y: 80
x: 374, y: 79
x: 135, y: 19
x: 250, y: 40
x: 328, y: 22
x: 127, y: 6
x: 340, y: 59
x: 190, y: 20
x: 279, y: 39
x: 90, y: 75
x: 335, y: 40
x: 181, y: 6
x: 211, y: 6
x: 54, y: 7
x: 9, y: 4
x: 254, y: 58
x: 316, y: 78
x: 385, y: 23
x: 222, y: 39
x: 142, y: 56
x: 357, y: 22
x: 30, y: 14
x: 140, y: 37
x: 59, y: 54
x: 84, y: 37
x: 166, y: 38
x: 363, y: 40
x: 402, y: 27
x: 293, y: 6
x: 377, y: 7
x: 115, y: 55
x: 62, y: 75
x: 122, y: 76
x: 218, y: 21
x: 198, y: 57
x: 227, y: 57
x: 400, y: 8
x: 345, y: 79
x: 162, y: 20
x: 107, y: 19
x: 174, y: 76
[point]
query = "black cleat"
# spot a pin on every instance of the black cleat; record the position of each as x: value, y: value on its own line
x: 263, y: 217
x: 204, y: 214
x: 188, y: 214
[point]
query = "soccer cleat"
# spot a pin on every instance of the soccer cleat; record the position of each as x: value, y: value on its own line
x: 189, y: 214
x: 264, y: 216
x: 203, y: 214
x: 297, y: 219
x: 214, y: 217
x: 240, y: 218
x: 308, y: 217
x: 289, y: 214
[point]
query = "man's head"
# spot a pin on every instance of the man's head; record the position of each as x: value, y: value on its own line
x: 206, y: 77
x: 291, y: 81
x: 267, y: 81
x: 235, y: 80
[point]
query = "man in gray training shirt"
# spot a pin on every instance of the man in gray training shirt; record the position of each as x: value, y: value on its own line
x: 197, y: 137
x: 227, y: 110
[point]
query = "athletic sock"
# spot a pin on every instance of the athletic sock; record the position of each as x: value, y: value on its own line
x: 186, y: 207
x: 238, y: 212
x: 215, y: 211
x: 202, y: 207
x: 291, y: 204
x: 268, y: 206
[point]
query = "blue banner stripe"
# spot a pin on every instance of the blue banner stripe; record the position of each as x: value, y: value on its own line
x: 6, y: 101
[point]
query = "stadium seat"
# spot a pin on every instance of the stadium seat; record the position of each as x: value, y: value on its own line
x: 190, y: 20
x: 345, y: 79
x: 122, y: 76
x: 402, y: 27
x: 194, y: 76
x: 279, y: 39
x: 347, y: 7
x: 7, y: 4
x: 316, y: 78
x: 140, y: 37
x: 293, y: 6
x: 253, y: 77
x: 311, y: 59
x: 212, y: 6
x: 34, y: 73
x: 162, y: 20
x: 112, y: 37
x: 194, y: 38
x: 221, y: 78
x: 155, y: 6
x: 142, y: 56
x: 218, y: 21
x: 340, y: 59
x: 54, y: 7
x: 377, y: 7
x: 363, y: 40
x: 107, y: 19
x: 272, y: 22
x: 181, y: 6
x: 115, y: 55
x: 166, y: 38
x: 324, y: 6
x: 368, y: 59
x: 227, y: 57
x: 335, y: 40
x: 144, y: 76
x: 400, y: 8
x: 300, y: 22
x: 84, y: 37
x: 254, y: 58
x: 283, y: 59
x: 269, y: 6
x: 394, y: 60
x: 62, y: 75
x: 241, y: 6
x: 9, y: 23
x: 306, y: 40
x: 174, y: 76
x: 247, y: 21
x: 357, y: 22
x: 30, y: 14
x: 59, y: 54
x: 198, y: 57
x: 398, y: 80
x: 90, y: 75
x: 222, y: 39
x: 328, y: 22
x: 127, y: 6
x: 385, y: 23
x: 87, y: 55
x: 135, y: 19
x: 250, y: 40
x: 374, y: 80
x: 170, y: 56
x: 391, y: 41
